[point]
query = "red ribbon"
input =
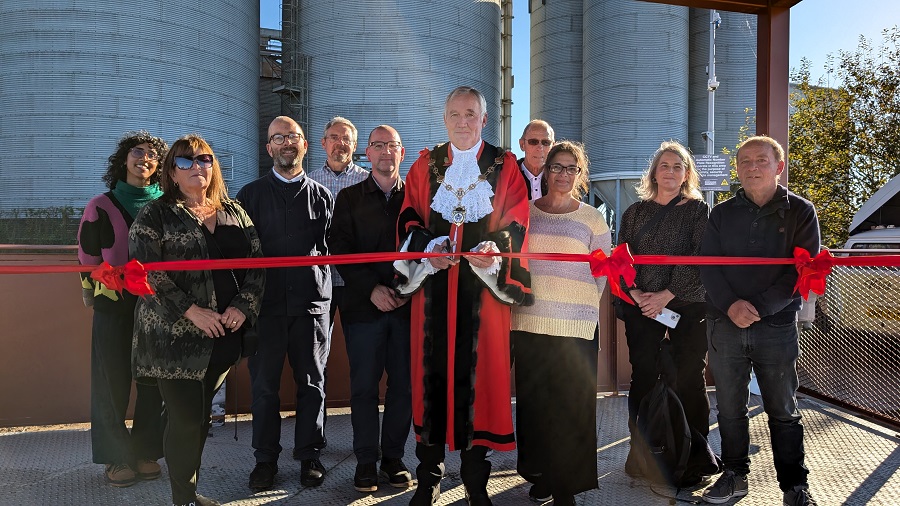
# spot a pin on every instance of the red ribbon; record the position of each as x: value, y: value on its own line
x: 131, y: 276
x: 619, y: 264
x: 812, y: 271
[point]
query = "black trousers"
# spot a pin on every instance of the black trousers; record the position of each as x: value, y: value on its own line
x: 556, y: 411
x: 688, y: 345
x: 306, y: 342
x: 111, y: 442
x: 188, y: 403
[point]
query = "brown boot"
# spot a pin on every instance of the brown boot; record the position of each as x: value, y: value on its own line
x: 120, y: 475
x: 147, y: 469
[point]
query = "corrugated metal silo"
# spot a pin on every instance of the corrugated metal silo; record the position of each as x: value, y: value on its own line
x: 395, y: 64
x: 76, y: 75
x: 556, y: 66
x: 635, y: 90
x: 735, y: 71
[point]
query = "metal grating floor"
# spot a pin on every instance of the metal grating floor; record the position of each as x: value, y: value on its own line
x: 852, y: 462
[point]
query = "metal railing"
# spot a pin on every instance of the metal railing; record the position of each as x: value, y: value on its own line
x: 850, y: 342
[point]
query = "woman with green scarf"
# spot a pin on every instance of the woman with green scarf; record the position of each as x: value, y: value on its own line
x: 133, y: 181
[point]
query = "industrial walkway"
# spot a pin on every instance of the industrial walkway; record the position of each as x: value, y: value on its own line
x: 853, y: 462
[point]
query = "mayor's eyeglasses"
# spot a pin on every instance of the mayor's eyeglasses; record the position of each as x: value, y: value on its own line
x: 544, y: 142
x: 186, y: 162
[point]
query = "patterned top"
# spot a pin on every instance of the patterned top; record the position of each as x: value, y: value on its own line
x: 679, y: 232
x: 567, y: 296
x: 103, y: 237
x: 166, y: 343
x: 335, y: 182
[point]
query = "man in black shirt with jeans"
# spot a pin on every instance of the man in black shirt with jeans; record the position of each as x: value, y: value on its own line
x: 752, y: 315
x: 375, y: 319
x: 292, y: 214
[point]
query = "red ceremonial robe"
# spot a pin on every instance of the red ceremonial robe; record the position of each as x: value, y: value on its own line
x: 459, y: 335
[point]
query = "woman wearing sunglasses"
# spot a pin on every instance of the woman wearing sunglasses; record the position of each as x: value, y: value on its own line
x: 669, y: 219
x: 133, y: 181
x: 556, y: 338
x: 189, y: 332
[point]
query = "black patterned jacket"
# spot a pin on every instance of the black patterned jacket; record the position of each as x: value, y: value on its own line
x: 166, y: 344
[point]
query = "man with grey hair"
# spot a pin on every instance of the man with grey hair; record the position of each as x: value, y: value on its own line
x: 464, y: 195
x: 536, y: 141
x: 338, y: 172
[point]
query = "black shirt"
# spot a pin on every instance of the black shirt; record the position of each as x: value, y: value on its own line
x: 365, y: 221
x: 228, y: 241
x: 291, y: 219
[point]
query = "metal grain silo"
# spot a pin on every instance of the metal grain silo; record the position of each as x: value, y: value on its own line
x: 76, y: 75
x: 395, y: 64
x: 635, y: 90
x: 556, y: 65
x: 735, y: 71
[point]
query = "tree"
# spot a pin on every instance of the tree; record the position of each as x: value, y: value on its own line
x: 845, y: 140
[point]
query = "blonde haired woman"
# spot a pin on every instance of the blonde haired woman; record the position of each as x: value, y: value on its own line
x: 669, y: 219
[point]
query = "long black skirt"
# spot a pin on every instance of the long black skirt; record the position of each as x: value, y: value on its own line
x: 556, y: 411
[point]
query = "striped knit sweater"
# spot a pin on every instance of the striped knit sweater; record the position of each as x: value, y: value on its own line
x: 567, y: 296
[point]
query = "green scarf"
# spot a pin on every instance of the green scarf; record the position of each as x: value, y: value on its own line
x: 133, y: 198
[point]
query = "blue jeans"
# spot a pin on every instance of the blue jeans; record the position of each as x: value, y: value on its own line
x: 771, y: 350
x: 306, y: 342
x: 374, y: 348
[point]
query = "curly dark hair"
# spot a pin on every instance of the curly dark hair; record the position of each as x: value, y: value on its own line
x: 116, y: 170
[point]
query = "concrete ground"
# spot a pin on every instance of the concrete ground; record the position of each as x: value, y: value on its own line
x: 852, y: 462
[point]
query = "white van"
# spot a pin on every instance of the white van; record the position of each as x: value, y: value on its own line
x: 868, y: 298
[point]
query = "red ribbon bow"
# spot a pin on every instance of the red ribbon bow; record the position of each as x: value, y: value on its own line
x: 812, y: 271
x: 131, y: 276
x: 619, y: 263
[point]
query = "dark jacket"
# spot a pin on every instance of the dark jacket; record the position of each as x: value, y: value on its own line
x: 292, y: 219
x: 365, y: 222
x: 520, y: 161
x: 166, y: 344
x: 738, y: 227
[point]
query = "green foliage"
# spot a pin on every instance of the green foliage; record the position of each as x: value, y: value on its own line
x: 52, y: 225
x: 845, y: 140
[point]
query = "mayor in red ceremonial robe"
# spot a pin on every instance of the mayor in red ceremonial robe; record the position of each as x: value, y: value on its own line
x: 464, y: 195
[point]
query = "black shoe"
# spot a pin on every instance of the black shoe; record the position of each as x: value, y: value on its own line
x: 312, y: 473
x: 366, y: 477
x: 539, y: 493
x: 263, y: 476
x: 425, y: 495
x: 566, y: 500
x: 479, y: 498
x: 396, y: 473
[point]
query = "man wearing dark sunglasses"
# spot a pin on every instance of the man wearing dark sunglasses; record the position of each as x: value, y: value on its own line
x: 536, y: 141
x: 292, y: 214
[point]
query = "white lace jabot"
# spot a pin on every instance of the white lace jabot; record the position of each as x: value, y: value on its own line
x: 463, y: 172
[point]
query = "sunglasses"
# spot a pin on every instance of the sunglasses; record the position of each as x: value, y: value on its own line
x: 544, y: 142
x: 186, y: 162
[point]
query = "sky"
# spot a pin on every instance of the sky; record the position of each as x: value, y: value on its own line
x: 818, y: 28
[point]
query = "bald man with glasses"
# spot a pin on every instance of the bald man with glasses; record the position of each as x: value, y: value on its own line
x: 292, y: 214
x: 536, y: 141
